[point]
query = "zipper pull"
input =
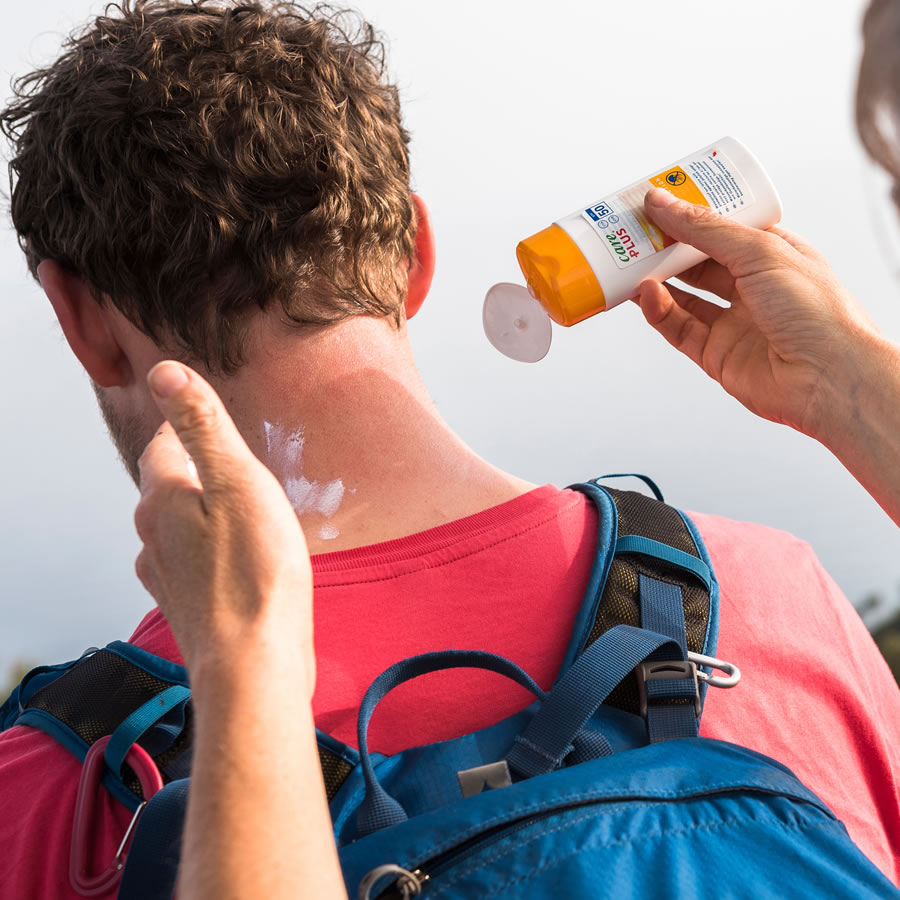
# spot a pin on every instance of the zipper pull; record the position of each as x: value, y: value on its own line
x: 408, y: 884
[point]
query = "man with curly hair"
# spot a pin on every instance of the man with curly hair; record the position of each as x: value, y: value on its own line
x: 229, y: 184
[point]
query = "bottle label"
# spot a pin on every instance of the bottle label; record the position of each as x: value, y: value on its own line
x: 709, y: 179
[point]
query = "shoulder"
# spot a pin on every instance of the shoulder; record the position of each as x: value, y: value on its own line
x: 775, y: 591
x: 739, y: 543
x: 154, y: 635
x: 39, y: 784
x: 753, y: 562
x: 813, y: 678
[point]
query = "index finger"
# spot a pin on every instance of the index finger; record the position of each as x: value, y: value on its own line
x: 739, y: 247
x: 202, y: 424
x: 801, y: 245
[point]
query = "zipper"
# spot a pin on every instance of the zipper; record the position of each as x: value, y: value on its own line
x: 425, y: 872
x: 436, y: 865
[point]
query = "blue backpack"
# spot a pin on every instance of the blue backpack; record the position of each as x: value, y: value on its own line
x: 601, y: 787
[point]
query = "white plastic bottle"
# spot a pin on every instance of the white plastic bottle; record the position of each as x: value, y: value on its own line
x: 595, y: 258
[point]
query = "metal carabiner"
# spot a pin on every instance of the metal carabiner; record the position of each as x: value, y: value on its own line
x: 142, y: 764
x: 733, y: 672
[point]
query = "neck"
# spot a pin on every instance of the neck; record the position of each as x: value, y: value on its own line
x: 341, y: 417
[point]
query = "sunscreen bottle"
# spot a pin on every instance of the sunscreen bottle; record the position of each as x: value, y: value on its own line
x: 597, y: 257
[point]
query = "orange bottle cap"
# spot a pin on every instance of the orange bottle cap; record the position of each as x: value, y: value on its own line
x: 559, y: 276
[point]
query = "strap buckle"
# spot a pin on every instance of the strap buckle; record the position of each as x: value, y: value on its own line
x: 142, y: 764
x: 661, y: 670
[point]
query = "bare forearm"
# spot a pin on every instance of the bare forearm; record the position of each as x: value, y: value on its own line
x: 862, y: 427
x: 257, y: 822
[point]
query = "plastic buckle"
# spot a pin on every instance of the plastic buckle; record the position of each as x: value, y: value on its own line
x: 151, y: 782
x: 667, y: 670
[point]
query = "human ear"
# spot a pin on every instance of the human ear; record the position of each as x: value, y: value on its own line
x: 421, y: 272
x: 84, y: 323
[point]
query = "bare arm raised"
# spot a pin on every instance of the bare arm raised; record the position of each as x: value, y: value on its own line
x: 793, y: 347
x: 226, y: 560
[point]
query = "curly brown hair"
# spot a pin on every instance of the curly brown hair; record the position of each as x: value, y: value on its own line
x: 197, y: 161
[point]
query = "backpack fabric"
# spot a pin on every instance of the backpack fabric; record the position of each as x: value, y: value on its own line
x: 600, y: 788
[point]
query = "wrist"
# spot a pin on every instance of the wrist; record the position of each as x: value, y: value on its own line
x: 227, y: 668
x: 863, y: 373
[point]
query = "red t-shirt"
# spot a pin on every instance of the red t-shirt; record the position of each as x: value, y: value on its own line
x: 815, y: 693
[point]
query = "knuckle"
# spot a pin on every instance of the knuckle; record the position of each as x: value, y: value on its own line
x: 145, y: 460
x: 142, y: 567
x: 761, y: 251
x: 683, y: 333
x: 774, y: 249
x: 153, y: 512
x: 773, y: 242
x: 145, y: 572
x: 144, y: 519
x: 145, y: 455
x: 198, y: 421
x: 174, y: 497
x: 701, y: 214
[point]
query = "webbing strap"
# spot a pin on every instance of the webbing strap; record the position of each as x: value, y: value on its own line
x: 671, y: 721
x: 662, y: 611
x: 144, y: 717
x: 550, y: 734
x: 636, y: 543
x: 151, y: 867
x: 645, y: 478
x: 378, y: 809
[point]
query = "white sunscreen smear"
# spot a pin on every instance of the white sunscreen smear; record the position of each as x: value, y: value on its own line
x: 285, y: 450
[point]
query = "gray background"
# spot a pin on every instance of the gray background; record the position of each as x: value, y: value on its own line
x: 520, y: 112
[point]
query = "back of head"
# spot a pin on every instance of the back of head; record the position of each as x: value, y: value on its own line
x: 198, y: 162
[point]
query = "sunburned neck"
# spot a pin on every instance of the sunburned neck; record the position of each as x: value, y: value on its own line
x: 342, y: 419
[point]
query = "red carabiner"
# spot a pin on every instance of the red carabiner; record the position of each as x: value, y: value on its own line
x: 79, y: 857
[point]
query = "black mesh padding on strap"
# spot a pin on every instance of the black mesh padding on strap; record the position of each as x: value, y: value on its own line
x: 620, y: 602
x: 97, y: 694
x: 334, y: 771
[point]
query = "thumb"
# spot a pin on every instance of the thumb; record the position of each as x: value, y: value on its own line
x: 201, y: 422
x: 738, y: 247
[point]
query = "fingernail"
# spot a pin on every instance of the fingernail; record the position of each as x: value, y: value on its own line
x: 660, y: 198
x: 166, y: 378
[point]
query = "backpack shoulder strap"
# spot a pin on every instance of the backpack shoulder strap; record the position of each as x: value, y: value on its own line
x: 120, y: 691
x: 117, y: 691
x: 651, y: 570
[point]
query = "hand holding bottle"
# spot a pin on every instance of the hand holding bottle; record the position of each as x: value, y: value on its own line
x: 793, y: 346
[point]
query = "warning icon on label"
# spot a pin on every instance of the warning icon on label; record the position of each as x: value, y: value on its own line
x: 676, y: 177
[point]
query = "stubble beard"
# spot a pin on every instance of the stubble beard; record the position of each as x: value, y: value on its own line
x: 130, y: 434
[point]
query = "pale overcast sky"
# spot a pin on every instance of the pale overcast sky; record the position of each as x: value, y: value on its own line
x: 520, y: 112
